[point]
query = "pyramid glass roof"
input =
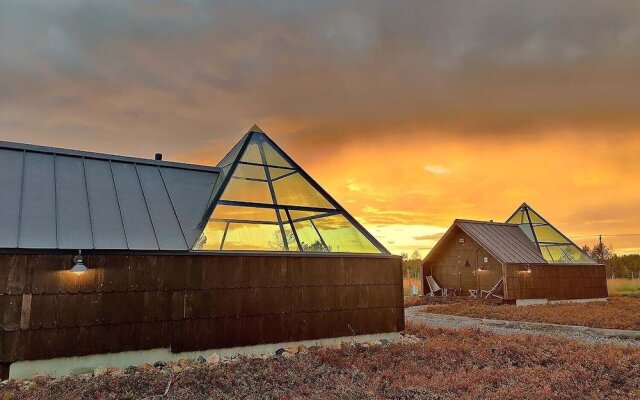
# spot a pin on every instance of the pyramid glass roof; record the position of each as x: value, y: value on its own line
x: 266, y: 202
x: 555, y: 247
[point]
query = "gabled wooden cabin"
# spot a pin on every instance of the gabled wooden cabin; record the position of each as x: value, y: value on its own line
x: 525, y: 261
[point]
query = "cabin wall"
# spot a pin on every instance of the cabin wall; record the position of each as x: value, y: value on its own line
x: 556, y: 282
x: 449, y: 267
x: 190, y: 302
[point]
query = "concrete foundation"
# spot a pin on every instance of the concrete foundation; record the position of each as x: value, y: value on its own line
x: 87, y: 364
x: 532, y: 302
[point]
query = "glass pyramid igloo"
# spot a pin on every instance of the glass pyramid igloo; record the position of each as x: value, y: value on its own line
x: 266, y: 202
x: 555, y: 247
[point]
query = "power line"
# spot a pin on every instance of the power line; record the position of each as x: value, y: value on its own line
x: 610, y: 235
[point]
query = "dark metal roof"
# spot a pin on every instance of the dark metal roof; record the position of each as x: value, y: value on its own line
x: 506, y: 242
x: 54, y: 198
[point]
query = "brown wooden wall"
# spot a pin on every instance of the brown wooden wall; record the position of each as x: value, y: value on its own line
x: 190, y: 302
x: 556, y: 282
x: 449, y: 267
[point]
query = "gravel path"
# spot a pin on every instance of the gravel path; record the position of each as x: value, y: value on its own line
x: 589, y: 335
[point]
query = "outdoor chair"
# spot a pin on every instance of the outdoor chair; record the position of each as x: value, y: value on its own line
x: 434, y: 287
x: 492, y: 292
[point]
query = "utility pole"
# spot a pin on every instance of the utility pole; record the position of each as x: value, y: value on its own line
x: 600, y: 250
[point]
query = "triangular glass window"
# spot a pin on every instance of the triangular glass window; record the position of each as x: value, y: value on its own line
x: 267, y: 203
x: 247, y: 171
x: 279, y: 173
x: 517, y: 218
x: 247, y: 191
x: 296, y: 190
x: 339, y: 235
x: 252, y: 154
x: 273, y: 157
x: 553, y: 245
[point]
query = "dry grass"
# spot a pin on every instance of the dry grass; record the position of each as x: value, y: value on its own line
x: 446, y: 364
x: 624, y: 287
x: 415, y: 301
x: 617, y: 313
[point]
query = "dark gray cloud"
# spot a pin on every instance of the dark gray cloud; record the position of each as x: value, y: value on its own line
x: 184, y: 74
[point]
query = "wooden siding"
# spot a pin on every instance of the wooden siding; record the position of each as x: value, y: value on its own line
x: 190, y: 302
x: 548, y: 281
x: 449, y: 268
x: 556, y: 282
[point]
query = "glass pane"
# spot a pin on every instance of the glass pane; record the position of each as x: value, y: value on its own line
x: 535, y: 218
x: 211, y: 236
x: 516, y: 219
x: 295, y: 214
x: 308, y: 236
x: 576, y: 255
x: 273, y: 157
x: 342, y: 237
x: 278, y: 172
x: 250, y: 191
x: 546, y: 233
x: 245, y: 213
x: 290, y: 237
x: 558, y: 255
x: 526, y: 228
x: 259, y: 237
x: 283, y: 216
x: 295, y: 190
x: 546, y: 254
x: 252, y: 153
x: 249, y: 171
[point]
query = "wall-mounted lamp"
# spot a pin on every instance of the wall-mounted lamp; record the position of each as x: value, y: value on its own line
x: 79, y: 267
x: 528, y: 270
x: 480, y: 269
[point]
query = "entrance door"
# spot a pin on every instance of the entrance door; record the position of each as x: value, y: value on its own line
x: 468, y: 277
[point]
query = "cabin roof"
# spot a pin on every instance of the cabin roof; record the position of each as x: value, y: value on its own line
x: 506, y: 242
x: 55, y: 198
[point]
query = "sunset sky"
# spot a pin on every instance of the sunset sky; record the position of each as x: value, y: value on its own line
x: 410, y: 114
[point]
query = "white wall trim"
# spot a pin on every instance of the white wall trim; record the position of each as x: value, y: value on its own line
x: 532, y: 302
x: 86, y: 364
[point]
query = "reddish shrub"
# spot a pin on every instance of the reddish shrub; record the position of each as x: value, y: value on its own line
x: 446, y: 364
x: 617, y: 313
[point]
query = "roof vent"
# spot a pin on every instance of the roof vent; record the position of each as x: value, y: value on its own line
x: 158, y: 156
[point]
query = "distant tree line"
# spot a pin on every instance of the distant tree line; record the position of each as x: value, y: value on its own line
x: 412, y: 265
x: 618, y: 266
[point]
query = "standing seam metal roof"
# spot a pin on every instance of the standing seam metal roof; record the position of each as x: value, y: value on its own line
x: 506, y: 242
x: 54, y: 198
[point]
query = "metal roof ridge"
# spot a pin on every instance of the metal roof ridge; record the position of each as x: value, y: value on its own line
x: 472, y: 221
x: 104, y: 156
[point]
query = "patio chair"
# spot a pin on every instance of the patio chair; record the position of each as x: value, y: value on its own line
x: 434, y: 287
x: 492, y: 292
